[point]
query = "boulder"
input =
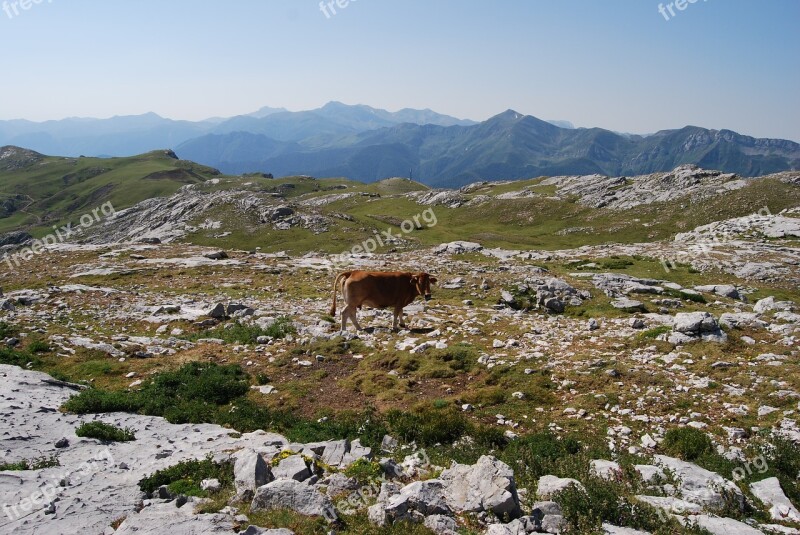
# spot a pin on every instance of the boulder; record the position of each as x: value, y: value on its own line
x: 216, y: 255
x: 550, y: 485
x: 295, y: 496
x: 723, y: 526
x: 725, y: 290
x: 250, y: 471
x: 649, y: 473
x: 338, y: 484
x: 698, y: 485
x: 488, y: 485
x: 694, y: 323
x: 608, y: 470
x: 217, y: 311
x: 377, y: 513
x: 628, y: 305
x: 355, y: 451
x: 741, y: 319
x: 770, y: 492
x: 416, y: 501
x: 458, y: 247
x: 671, y: 504
x: 554, y: 304
x: 335, y: 451
x: 441, y: 525
x: 292, y: 467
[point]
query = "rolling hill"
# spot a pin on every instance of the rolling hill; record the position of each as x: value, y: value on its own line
x: 37, y: 191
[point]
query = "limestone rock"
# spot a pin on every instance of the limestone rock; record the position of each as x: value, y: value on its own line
x: 487, y: 485
x: 295, y: 496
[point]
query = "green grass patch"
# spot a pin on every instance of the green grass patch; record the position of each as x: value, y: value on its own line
x: 687, y: 443
x: 33, y: 464
x: 364, y: 471
x: 655, y: 332
x: 105, y: 432
x: 236, y: 333
x: 585, y: 510
x: 7, y: 331
x: 19, y: 358
x: 186, y: 476
x: 688, y: 296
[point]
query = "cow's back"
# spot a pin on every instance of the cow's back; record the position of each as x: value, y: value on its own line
x: 379, y: 289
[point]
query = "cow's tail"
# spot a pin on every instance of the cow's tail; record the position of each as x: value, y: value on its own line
x: 343, y: 277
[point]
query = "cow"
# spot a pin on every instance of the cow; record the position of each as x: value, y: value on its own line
x: 378, y: 289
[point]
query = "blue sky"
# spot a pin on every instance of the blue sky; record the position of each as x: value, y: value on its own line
x: 617, y: 64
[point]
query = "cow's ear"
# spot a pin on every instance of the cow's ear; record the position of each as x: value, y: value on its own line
x: 414, y: 280
x: 433, y: 280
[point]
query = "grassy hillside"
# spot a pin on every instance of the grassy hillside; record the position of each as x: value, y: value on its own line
x: 38, y: 191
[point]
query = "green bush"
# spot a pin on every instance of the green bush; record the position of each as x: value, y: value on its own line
x: 105, y: 432
x: 364, y: 471
x: 39, y: 346
x: 539, y: 454
x: 782, y: 460
x: 18, y: 358
x: 427, y: 426
x: 33, y: 464
x: 209, y: 393
x: 616, y: 263
x: 655, y: 332
x: 236, y: 333
x: 680, y: 294
x: 185, y: 477
x: 7, y: 331
x: 687, y: 443
x: 96, y: 401
x: 603, y: 501
x: 188, y: 394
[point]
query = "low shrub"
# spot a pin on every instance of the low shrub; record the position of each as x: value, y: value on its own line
x: 364, y: 471
x: 32, y: 464
x: 185, y: 477
x: 7, y: 331
x: 427, y: 425
x: 19, y: 358
x: 105, y: 432
x: 687, y: 443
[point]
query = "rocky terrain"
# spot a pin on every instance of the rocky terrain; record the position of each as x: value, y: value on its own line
x: 638, y: 386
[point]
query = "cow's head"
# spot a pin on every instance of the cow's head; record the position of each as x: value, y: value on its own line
x: 422, y: 283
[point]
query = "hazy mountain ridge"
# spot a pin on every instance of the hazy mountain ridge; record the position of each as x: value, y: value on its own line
x: 136, y: 134
x: 368, y: 144
x: 507, y: 146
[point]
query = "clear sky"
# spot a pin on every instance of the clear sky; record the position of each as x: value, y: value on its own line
x: 618, y: 64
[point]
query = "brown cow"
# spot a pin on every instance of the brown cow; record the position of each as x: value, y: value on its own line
x: 377, y: 289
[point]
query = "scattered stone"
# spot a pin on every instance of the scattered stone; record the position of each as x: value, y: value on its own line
x: 628, y: 305
x: 550, y: 485
x: 294, y: 496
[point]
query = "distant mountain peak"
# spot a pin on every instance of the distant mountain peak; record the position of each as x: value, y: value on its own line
x: 264, y: 111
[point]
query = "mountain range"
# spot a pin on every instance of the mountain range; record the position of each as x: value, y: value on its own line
x: 368, y: 144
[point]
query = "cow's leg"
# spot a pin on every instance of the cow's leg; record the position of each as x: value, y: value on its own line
x: 344, y: 319
x: 350, y: 312
x: 398, y: 318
